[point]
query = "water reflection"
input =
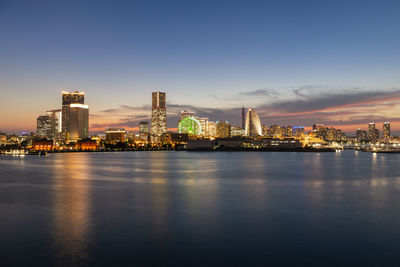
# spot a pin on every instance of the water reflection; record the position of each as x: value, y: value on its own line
x: 71, y: 208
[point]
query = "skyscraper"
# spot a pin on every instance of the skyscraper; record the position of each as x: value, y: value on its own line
x: 243, y: 119
x: 204, y: 126
x: 43, y: 126
x: 69, y: 98
x: 253, y: 124
x: 372, y: 131
x: 143, y: 127
x: 223, y: 129
x: 386, y: 130
x: 212, y: 129
x: 158, y: 116
x: 78, y: 122
x: 361, y: 135
x: 55, y: 122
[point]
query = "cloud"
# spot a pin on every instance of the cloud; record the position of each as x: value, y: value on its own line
x: 260, y: 92
x: 305, y: 105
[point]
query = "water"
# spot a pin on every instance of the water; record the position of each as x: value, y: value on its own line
x: 200, y: 209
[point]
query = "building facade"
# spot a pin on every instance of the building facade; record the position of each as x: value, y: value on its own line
x: 158, y: 116
x: 69, y: 98
x: 386, y: 130
x: 253, y: 123
x: 372, y: 134
x: 223, y: 129
x: 115, y: 135
x: 55, y: 122
x: 43, y: 126
x: 361, y: 135
x: 78, y: 127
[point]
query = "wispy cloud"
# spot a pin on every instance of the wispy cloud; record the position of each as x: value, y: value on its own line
x: 305, y: 105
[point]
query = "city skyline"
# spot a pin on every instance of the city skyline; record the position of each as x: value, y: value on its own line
x: 176, y: 117
x: 295, y: 63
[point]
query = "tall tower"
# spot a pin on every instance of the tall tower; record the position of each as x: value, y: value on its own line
x: 372, y: 131
x: 243, y: 118
x: 158, y: 115
x: 386, y: 130
x: 253, y: 124
x: 69, y: 98
x: 78, y: 122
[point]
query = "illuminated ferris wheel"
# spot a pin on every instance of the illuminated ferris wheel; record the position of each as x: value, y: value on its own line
x: 189, y: 125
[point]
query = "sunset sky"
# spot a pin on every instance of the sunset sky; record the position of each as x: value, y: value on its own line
x: 295, y: 62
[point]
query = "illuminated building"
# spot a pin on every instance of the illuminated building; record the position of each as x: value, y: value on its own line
x: 223, y: 129
x: 185, y: 113
x: 55, y: 122
x: 265, y: 130
x: 243, y: 118
x: 376, y: 133
x: 43, y: 126
x: 115, y: 135
x: 276, y: 131
x: 298, y: 131
x: 175, y: 139
x: 204, y: 126
x: 317, y: 126
x: 144, y: 131
x: 289, y: 131
x: 69, y: 98
x: 143, y: 127
x: 190, y: 125
x: 361, y: 135
x: 212, y: 129
x: 78, y: 122
x: 42, y: 145
x: 158, y: 116
x: 237, y: 131
x: 386, y: 130
x: 372, y: 132
x: 87, y: 144
x: 253, y: 124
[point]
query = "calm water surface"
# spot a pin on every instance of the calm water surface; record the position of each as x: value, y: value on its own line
x: 188, y: 208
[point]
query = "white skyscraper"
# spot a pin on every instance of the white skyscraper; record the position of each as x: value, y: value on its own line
x: 253, y: 124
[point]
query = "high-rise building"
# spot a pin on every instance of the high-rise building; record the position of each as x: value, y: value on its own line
x: 317, y: 126
x: 289, y: 131
x: 298, y: 131
x: 55, y: 122
x: 204, y: 126
x: 115, y: 135
x: 243, y: 118
x: 69, y: 98
x: 265, y: 130
x: 253, y: 124
x: 386, y: 130
x: 212, y: 129
x: 43, y: 126
x: 372, y: 131
x: 361, y: 135
x: 223, y: 129
x: 78, y: 127
x: 376, y: 134
x: 276, y: 131
x: 158, y: 116
x: 143, y: 127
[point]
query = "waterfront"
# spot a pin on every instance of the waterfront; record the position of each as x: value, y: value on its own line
x: 200, y: 208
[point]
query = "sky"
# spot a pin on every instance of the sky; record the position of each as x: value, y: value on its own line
x: 295, y: 62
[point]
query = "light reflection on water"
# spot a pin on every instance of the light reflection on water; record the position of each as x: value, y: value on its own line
x: 107, y: 208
